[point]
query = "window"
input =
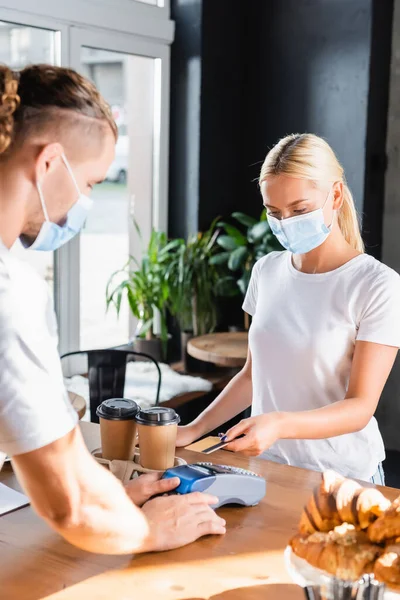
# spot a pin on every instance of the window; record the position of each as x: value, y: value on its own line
x: 128, y: 84
x: 124, y: 46
x: 19, y: 46
x: 154, y: 2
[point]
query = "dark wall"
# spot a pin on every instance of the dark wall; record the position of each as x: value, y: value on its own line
x: 313, y: 77
x: 223, y: 109
x: 185, y: 118
x: 245, y: 74
x: 377, y: 119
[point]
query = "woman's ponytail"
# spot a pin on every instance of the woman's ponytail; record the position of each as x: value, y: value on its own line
x: 348, y: 221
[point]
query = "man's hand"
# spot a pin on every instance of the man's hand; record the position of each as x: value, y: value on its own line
x: 175, y: 521
x: 141, y: 489
x: 259, y: 434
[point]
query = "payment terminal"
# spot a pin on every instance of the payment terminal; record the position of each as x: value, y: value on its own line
x: 230, y: 484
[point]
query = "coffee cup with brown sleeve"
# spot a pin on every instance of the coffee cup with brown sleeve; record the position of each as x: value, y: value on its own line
x: 157, y: 429
x: 118, y: 428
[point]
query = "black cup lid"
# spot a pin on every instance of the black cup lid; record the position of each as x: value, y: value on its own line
x: 117, y: 409
x: 157, y: 416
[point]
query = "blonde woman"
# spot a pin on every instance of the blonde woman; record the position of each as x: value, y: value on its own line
x: 325, y: 329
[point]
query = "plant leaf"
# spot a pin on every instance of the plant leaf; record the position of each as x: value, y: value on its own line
x: 133, y: 303
x: 243, y: 284
x: 146, y: 327
x: 258, y: 231
x: 136, y: 225
x: 243, y: 219
x: 221, y: 258
x: 234, y: 233
x: 237, y: 258
x: 226, y: 242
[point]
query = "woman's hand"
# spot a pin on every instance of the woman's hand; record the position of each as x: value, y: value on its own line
x: 141, y: 489
x: 186, y: 435
x: 259, y: 434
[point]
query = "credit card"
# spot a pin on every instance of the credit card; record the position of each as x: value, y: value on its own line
x: 218, y: 446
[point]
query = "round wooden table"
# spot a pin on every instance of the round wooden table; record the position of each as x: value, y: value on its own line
x: 225, y: 349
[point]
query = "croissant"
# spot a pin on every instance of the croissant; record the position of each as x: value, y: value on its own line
x: 344, y: 552
x: 320, y: 513
x: 338, y: 500
x: 371, y: 504
x: 387, y: 567
x: 346, y: 501
x: 387, y: 526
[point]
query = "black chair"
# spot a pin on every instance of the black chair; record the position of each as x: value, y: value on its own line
x: 106, y: 371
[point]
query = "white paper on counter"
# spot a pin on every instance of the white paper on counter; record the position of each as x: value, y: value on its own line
x: 11, y: 500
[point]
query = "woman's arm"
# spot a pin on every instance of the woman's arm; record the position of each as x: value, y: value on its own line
x: 236, y: 397
x: 371, y: 367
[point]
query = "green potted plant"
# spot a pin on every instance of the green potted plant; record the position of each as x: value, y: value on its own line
x: 192, y: 278
x: 240, y: 249
x: 146, y: 287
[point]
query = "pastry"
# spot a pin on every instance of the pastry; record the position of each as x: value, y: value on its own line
x: 341, y: 526
x: 371, y: 504
x: 306, y: 525
x: 326, y: 495
x: 387, y: 567
x: 346, y: 501
x: 338, y: 500
x: 387, y: 526
x: 320, y: 513
x: 309, y: 547
x: 344, y: 552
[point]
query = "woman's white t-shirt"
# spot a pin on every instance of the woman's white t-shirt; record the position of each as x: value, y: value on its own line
x: 302, y: 342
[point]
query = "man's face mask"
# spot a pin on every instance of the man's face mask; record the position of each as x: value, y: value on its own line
x: 52, y: 236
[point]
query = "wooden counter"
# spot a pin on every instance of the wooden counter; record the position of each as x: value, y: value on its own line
x: 245, y: 564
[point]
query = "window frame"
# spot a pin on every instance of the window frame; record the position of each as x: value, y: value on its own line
x: 135, y: 28
x: 156, y: 214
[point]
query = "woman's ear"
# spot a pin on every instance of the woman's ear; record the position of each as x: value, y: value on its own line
x: 338, y: 195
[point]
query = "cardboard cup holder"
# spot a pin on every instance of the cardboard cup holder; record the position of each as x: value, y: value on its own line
x: 125, y: 470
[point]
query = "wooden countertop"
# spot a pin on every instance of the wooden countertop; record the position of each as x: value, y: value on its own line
x: 245, y: 564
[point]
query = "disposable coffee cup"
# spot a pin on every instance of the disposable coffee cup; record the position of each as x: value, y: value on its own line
x: 157, y: 429
x: 118, y: 428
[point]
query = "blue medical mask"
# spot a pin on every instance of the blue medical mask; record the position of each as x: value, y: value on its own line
x: 302, y: 233
x: 52, y: 236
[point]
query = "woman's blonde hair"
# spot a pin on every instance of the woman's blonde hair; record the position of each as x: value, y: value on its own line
x: 307, y: 156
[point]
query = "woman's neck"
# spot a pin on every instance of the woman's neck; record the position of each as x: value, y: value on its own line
x: 331, y: 255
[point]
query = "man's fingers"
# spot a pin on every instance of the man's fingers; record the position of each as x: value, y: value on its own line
x: 211, y: 528
x: 150, y: 477
x: 200, y: 498
x: 211, y: 521
x: 206, y: 513
x: 165, y: 485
